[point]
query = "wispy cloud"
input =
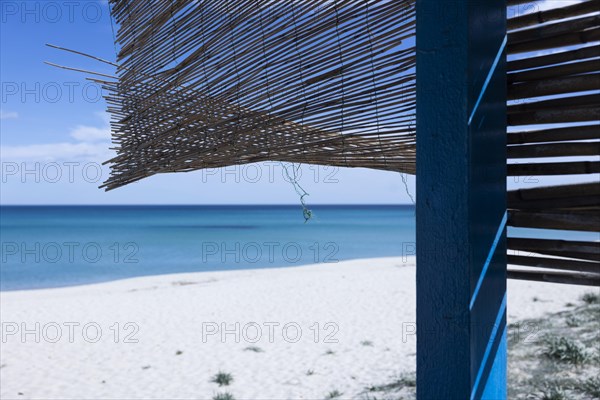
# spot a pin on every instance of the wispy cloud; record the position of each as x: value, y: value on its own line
x: 56, y: 152
x: 8, y: 114
x: 91, y: 143
x: 84, y: 133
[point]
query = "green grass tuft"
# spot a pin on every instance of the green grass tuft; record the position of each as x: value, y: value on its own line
x: 591, y: 387
x: 591, y: 298
x: 572, y: 321
x: 408, y: 380
x: 550, y: 392
x: 566, y: 350
x: 223, y: 396
x: 334, y: 394
x: 222, y: 378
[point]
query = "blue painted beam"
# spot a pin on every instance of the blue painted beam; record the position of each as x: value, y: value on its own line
x: 461, y: 199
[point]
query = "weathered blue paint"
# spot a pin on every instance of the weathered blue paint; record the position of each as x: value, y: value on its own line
x: 499, y: 234
x: 494, y: 338
x: 461, y: 188
x: 491, y: 72
x: 496, y: 384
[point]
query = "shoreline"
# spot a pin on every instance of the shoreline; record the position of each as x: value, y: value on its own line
x: 410, y: 261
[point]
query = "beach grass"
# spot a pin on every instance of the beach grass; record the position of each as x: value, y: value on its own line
x: 562, y: 360
x: 591, y: 298
x: 550, y: 392
x: 223, y: 396
x: 565, y: 350
x: 222, y: 378
x: 334, y: 394
x: 591, y: 386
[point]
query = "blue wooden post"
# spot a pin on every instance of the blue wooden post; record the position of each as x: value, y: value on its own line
x: 461, y: 206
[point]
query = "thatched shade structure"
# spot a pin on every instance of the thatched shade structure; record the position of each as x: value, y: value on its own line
x: 209, y: 84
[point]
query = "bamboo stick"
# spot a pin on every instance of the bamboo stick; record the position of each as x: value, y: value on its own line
x: 556, y: 168
x: 564, y: 70
x: 570, y: 278
x: 545, y: 32
x: 551, y: 86
x: 561, y: 220
x: 586, y: 132
x: 553, y: 192
x: 577, y: 196
x: 581, y: 108
x: 554, y: 115
x: 555, y: 58
x: 567, y: 203
x: 562, y: 248
x: 567, y: 39
x: 554, y: 263
x: 581, y: 101
x: 554, y: 150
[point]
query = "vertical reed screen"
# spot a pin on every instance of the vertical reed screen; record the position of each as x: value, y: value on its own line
x: 553, y: 113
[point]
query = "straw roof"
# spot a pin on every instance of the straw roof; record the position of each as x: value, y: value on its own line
x: 209, y: 84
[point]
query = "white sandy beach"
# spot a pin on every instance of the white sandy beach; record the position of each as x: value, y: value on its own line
x: 363, y: 311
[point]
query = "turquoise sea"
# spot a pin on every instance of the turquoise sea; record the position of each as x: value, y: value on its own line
x: 51, y: 246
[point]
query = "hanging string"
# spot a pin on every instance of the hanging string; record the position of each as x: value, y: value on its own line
x: 306, y: 212
x: 405, y: 181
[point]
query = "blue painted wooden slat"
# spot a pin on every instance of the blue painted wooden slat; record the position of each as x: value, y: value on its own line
x: 461, y: 206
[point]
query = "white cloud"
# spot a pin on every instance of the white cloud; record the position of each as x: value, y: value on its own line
x: 85, y: 133
x: 8, y: 115
x: 91, y: 143
x: 56, y: 151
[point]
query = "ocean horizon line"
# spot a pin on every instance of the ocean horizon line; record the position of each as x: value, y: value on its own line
x: 408, y: 205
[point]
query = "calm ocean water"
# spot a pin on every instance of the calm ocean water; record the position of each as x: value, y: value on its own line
x: 51, y: 246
